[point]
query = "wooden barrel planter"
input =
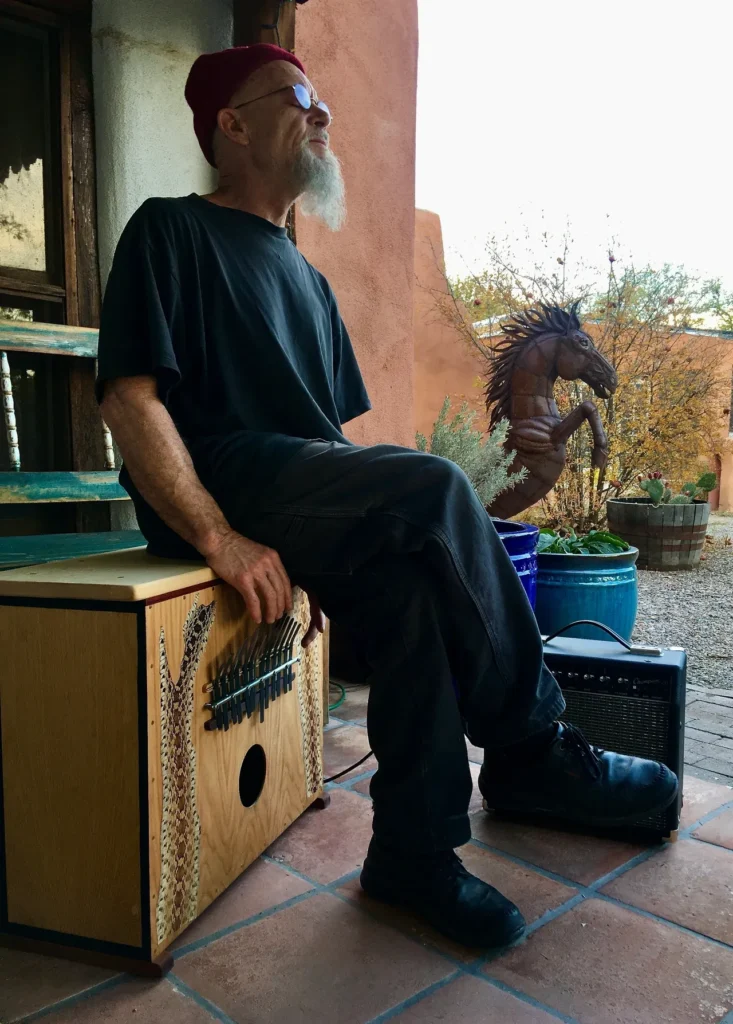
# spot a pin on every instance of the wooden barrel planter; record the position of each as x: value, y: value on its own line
x: 668, y: 537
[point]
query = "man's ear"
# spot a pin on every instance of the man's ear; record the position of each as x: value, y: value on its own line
x: 231, y: 125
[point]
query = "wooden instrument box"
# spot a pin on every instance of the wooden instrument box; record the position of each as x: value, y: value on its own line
x: 153, y: 743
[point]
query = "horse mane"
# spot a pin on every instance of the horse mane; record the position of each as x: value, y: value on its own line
x: 522, y: 329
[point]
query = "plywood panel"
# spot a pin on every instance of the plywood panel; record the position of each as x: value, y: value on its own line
x: 118, y: 576
x: 68, y: 710
x: 225, y: 837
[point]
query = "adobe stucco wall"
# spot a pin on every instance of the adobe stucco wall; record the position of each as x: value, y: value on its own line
x: 362, y: 59
x: 444, y: 365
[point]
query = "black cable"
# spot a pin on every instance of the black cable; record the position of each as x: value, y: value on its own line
x: 347, y: 770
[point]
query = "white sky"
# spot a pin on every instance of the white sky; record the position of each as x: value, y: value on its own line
x: 616, y: 115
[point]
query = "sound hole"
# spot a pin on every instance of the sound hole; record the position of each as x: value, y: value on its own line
x: 252, y: 775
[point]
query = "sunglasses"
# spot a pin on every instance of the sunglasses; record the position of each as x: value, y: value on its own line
x: 304, y: 98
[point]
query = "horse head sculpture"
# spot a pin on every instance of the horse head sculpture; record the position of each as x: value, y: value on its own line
x: 538, y: 346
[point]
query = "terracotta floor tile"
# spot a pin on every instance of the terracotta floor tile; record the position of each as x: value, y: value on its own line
x: 324, y: 845
x: 29, y: 982
x: 534, y: 895
x: 320, y: 961
x: 263, y: 885
x: 343, y: 747
x: 354, y: 707
x: 135, y: 1002
x: 700, y: 798
x: 687, y: 882
x: 577, y: 857
x: 603, y: 964
x: 718, y: 831
x: 470, y: 1001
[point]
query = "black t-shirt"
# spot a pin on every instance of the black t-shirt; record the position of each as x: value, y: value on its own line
x: 243, y: 336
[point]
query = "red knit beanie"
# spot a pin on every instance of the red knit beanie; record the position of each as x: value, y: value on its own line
x: 215, y: 77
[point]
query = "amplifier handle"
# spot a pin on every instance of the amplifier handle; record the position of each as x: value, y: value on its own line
x: 653, y: 651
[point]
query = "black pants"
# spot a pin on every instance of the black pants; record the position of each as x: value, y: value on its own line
x: 398, y: 547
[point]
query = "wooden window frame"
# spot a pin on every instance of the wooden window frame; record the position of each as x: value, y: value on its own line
x: 80, y: 291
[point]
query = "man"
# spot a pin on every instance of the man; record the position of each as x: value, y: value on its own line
x: 226, y: 374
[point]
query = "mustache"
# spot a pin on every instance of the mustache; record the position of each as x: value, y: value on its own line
x: 323, y: 136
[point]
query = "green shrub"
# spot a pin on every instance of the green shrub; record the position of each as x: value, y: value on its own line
x: 482, y: 458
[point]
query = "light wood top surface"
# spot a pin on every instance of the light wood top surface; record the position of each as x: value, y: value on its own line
x: 130, y: 575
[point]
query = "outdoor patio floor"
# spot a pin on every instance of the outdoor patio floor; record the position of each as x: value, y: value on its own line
x: 619, y: 934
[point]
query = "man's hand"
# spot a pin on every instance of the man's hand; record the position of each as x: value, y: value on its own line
x: 318, y: 620
x: 255, y: 571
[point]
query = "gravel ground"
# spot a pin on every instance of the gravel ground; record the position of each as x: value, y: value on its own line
x: 694, y: 610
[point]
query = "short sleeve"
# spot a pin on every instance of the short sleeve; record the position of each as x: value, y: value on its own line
x: 349, y: 390
x: 141, y: 305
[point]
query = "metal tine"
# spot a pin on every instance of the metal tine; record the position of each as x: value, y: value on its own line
x: 231, y: 676
x: 290, y: 640
x: 260, y: 668
x: 266, y: 663
x: 262, y: 633
x: 217, y: 697
x: 240, y: 664
x: 282, y: 655
x: 269, y: 660
x: 236, y: 702
x: 254, y: 663
x: 278, y: 658
x: 249, y: 702
x: 243, y: 675
x: 248, y: 672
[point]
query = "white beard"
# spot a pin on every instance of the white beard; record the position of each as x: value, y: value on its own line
x: 323, y: 192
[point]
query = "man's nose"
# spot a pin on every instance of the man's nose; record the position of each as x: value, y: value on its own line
x: 318, y: 118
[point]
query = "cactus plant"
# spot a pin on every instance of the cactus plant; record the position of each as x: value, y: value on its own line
x: 656, y: 487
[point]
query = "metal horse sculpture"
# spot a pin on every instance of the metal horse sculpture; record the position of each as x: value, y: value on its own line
x: 540, y: 345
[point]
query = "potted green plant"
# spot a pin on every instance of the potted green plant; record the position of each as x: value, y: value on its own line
x: 668, y: 529
x: 592, y: 576
x: 487, y: 465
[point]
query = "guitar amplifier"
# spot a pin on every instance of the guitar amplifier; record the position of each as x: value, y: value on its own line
x: 627, y: 698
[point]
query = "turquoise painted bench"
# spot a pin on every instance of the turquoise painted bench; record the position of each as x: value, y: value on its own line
x: 18, y: 487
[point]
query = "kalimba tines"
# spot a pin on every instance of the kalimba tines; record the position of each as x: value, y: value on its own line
x: 153, y: 742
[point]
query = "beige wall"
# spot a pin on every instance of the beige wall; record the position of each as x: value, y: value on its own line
x: 362, y: 58
x: 444, y: 364
x: 145, y: 146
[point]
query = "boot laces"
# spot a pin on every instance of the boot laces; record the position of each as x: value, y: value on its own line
x: 575, y: 742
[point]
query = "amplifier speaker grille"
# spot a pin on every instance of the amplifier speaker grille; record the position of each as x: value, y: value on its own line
x: 632, y: 703
x: 627, y: 725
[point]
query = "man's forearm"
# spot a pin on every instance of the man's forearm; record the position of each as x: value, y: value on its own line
x: 162, y: 470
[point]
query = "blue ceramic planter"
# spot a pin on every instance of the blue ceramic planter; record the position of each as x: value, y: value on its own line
x: 599, y: 587
x: 520, y: 541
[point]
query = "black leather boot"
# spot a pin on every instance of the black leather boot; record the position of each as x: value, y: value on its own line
x: 574, y: 781
x: 439, y: 889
